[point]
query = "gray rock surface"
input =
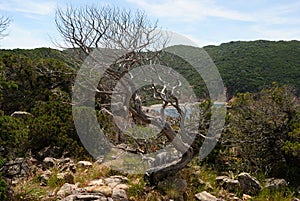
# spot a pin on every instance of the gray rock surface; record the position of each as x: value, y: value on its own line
x: 273, y: 183
x: 248, y: 184
x: 205, y: 196
x: 227, y: 183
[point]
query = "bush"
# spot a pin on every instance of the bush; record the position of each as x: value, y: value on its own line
x: 263, y: 128
x: 3, y: 187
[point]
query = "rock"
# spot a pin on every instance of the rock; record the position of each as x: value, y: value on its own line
x: 69, y: 198
x: 273, y: 183
x: 249, y: 185
x: 119, y: 195
x: 99, y: 160
x: 45, y: 177
x: 97, y: 182
x: 205, y: 196
x: 84, y: 164
x: 17, y: 168
x: 49, y: 162
x: 112, y: 180
x: 227, y: 183
x: 66, y: 176
x: 122, y: 178
x: 113, y: 184
x: 122, y: 186
x: 105, y: 190
x: 91, y: 197
x: 246, y: 197
x: 66, y: 164
x: 67, y: 189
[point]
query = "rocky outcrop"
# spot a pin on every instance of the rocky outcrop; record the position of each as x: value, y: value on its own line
x: 274, y: 184
x: 111, y: 188
x: 248, y: 184
x: 227, y: 183
x: 16, y: 169
x: 65, y: 164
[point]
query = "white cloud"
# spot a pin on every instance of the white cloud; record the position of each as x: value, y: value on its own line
x: 196, y: 10
x: 189, y: 10
x: 29, y: 6
x: 273, y: 20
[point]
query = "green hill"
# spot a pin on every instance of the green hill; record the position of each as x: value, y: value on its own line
x: 252, y: 66
x: 244, y: 66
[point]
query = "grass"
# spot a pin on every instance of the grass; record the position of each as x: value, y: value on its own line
x: 278, y: 195
x: 136, y: 186
x: 31, y: 189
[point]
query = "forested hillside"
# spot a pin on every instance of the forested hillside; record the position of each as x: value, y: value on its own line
x: 252, y: 66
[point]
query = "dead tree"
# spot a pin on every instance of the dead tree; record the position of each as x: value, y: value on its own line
x: 89, y: 28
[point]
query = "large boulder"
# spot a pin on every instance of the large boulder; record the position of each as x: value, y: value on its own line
x: 248, y: 184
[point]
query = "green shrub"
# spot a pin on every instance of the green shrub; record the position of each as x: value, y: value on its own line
x: 3, y: 187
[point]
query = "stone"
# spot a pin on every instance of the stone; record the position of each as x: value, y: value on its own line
x: 227, y: 183
x: 122, y: 178
x: 49, y: 162
x: 274, y: 184
x: 69, y: 198
x: 246, y: 197
x: 99, y: 160
x: 122, y: 186
x: 97, y: 182
x: 220, y: 179
x: 84, y: 164
x: 67, y: 189
x: 205, y: 196
x: 66, y: 176
x: 45, y: 177
x: 14, y: 170
x: 248, y: 184
x: 66, y: 164
x: 91, y: 197
x: 119, y: 195
x: 105, y: 190
x: 112, y: 180
x: 113, y: 184
x: 17, y: 168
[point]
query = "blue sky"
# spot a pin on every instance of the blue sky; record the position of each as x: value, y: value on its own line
x: 207, y: 22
